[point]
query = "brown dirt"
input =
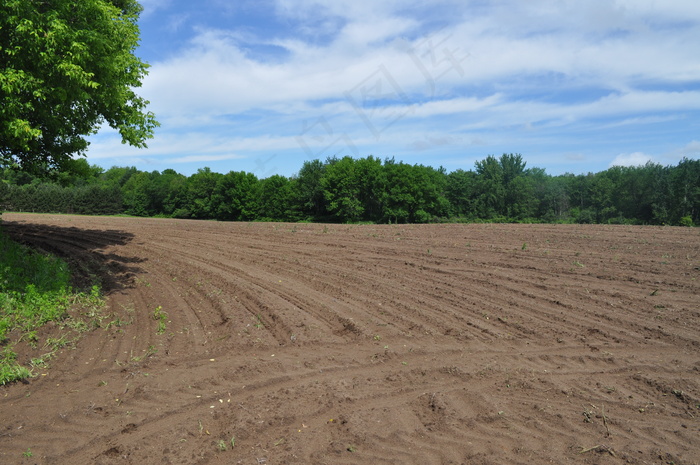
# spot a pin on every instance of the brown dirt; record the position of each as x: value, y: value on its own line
x: 337, y: 344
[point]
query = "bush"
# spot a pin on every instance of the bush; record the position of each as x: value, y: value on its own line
x: 686, y: 221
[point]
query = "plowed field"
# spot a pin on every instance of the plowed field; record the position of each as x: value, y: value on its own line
x: 394, y: 344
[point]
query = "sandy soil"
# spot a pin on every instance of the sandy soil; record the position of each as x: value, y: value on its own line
x: 397, y: 344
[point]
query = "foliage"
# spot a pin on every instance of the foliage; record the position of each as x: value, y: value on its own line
x: 274, y: 200
x: 235, y: 197
x: 34, y: 290
x: 501, y: 189
x: 346, y: 183
x: 413, y: 194
x: 308, y: 199
x: 461, y: 193
x: 200, y: 201
x: 66, y: 68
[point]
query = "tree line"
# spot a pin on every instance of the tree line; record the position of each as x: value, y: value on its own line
x: 498, y: 189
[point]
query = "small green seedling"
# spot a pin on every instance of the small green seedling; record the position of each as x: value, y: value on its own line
x: 162, y: 317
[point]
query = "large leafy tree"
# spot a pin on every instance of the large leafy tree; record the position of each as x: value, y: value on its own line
x: 275, y: 198
x: 203, y: 195
x: 341, y: 184
x: 307, y: 191
x: 236, y: 195
x: 414, y: 193
x: 67, y: 67
x: 508, y: 189
x: 461, y: 191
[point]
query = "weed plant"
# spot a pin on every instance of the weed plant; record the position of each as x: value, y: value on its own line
x: 161, y: 317
x: 34, y: 290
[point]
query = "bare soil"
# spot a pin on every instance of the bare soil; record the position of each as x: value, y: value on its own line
x: 361, y: 344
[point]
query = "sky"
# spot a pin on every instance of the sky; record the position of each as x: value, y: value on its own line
x: 264, y: 85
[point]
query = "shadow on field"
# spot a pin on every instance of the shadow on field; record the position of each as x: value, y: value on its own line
x: 83, y: 250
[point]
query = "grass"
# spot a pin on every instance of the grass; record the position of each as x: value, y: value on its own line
x: 35, y: 290
x: 259, y: 323
x: 223, y: 445
x: 148, y: 352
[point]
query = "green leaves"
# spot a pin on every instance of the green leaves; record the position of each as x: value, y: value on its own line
x: 34, y: 289
x: 66, y: 67
x: 367, y: 190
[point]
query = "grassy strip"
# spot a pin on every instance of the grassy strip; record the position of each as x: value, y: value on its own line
x: 34, y: 290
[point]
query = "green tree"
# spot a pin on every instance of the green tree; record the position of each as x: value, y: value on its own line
x: 678, y: 194
x: 414, y: 194
x: 491, y: 199
x: 236, y: 195
x: 555, y: 203
x: 633, y: 191
x: 274, y: 198
x: 372, y: 183
x: 308, y: 200
x: 118, y: 176
x: 5, y: 189
x: 77, y: 172
x: 353, y: 188
x: 142, y: 195
x: 94, y: 199
x: 512, y: 166
x: 461, y: 193
x: 521, y: 201
x: 202, y: 198
x: 506, y: 189
x: 15, y: 176
x: 66, y: 67
x: 341, y: 188
x: 601, y: 195
x: 174, y: 187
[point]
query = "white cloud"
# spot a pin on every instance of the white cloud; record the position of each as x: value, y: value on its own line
x: 451, y: 71
x: 189, y: 146
x: 631, y: 159
x: 429, y: 142
x: 690, y: 150
x: 205, y: 158
x: 457, y: 105
x: 643, y: 120
x: 216, y: 75
x: 151, y: 6
x: 176, y: 21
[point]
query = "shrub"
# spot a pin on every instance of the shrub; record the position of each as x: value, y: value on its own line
x: 686, y: 221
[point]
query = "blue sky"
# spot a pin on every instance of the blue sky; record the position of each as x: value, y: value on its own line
x: 261, y: 86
